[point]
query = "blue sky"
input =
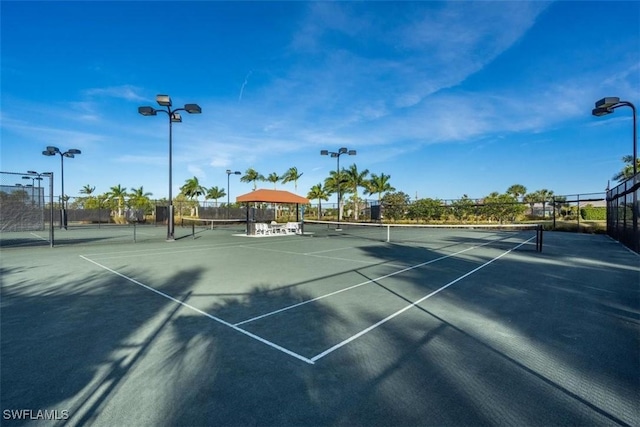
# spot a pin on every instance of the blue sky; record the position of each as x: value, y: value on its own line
x: 449, y: 98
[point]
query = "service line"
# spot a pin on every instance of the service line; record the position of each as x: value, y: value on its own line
x: 422, y: 264
x: 413, y: 304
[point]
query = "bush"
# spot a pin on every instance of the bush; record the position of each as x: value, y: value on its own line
x: 592, y: 213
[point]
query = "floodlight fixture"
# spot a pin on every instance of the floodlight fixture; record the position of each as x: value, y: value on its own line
x: 606, y: 106
x: 352, y: 152
x: 342, y: 150
x: 601, y: 111
x: 324, y: 152
x: 71, y: 153
x: 607, y: 102
x: 192, y: 108
x: 163, y: 100
x: 147, y: 111
x: 174, y: 117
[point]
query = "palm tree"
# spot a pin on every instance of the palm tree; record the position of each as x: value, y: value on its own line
x: 192, y: 189
x: 531, y: 199
x: 273, y: 178
x: 319, y: 192
x: 118, y: 193
x: 627, y: 170
x: 292, y: 175
x: 139, y: 198
x: 356, y: 179
x: 517, y: 190
x: 378, y: 185
x: 251, y: 175
x: 215, y: 193
x: 334, y: 183
x: 87, y: 189
x: 544, y: 196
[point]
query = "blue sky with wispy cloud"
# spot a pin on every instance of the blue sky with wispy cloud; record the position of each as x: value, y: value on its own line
x: 449, y: 98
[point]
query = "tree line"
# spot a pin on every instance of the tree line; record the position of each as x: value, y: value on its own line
x: 349, y: 184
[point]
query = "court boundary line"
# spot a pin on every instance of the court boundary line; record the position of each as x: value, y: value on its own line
x: 422, y: 264
x: 413, y: 304
x: 204, y: 313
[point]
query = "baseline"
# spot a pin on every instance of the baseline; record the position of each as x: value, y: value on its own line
x: 197, y: 310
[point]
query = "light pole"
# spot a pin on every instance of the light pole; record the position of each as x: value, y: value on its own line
x: 174, y: 116
x: 229, y: 173
x: 29, y: 185
x: 33, y: 186
x: 606, y: 106
x: 52, y: 151
x: 337, y: 155
x: 40, y: 188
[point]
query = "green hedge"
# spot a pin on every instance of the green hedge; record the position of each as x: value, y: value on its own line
x: 591, y: 213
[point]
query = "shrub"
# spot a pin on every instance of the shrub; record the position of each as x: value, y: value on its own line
x: 592, y: 213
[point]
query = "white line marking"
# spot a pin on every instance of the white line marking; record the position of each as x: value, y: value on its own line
x: 313, y: 254
x: 332, y: 250
x: 359, y: 284
x: 386, y: 319
x: 39, y: 237
x: 197, y: 310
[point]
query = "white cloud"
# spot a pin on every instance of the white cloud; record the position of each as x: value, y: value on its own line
x: 127, y: 92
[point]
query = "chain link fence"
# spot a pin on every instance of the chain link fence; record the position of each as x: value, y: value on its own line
x: 24, y: 201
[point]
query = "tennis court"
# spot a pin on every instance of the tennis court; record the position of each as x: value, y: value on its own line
x: 419, y: 327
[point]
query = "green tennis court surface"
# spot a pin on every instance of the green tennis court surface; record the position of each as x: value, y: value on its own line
x: 457, y: 328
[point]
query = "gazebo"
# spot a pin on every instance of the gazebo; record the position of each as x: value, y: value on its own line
x: 270, y: 196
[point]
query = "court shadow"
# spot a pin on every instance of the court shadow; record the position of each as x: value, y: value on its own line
x: 69, y: 345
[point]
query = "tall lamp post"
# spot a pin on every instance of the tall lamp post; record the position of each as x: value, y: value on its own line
x: 229, y: 173
x: 39, y: 178
x: 33, y: 186
x: 52, y: 151
x: 337, y: 155
x: 606, y: 106
x: 174, y: 116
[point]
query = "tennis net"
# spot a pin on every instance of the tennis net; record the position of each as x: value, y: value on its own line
x: 428, y: 233
x: 213, y: 224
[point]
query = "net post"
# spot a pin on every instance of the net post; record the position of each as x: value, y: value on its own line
x: 388, y: 233
x: 134, y: 232
x: 539, y: 233
x: 193, y: 229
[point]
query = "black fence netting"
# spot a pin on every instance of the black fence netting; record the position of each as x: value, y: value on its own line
x: 622, y: 213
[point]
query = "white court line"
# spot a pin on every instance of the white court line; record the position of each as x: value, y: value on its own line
x: 413, y: 304
x: 170, y: 249
x: 313, y: 254
x: 360, y: 284
x: 39, y: 237
x: 197, y: 310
